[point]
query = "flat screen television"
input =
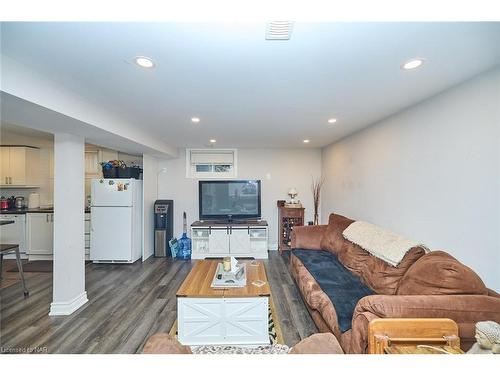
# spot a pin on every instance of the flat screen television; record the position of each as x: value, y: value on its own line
x: 229, y: 200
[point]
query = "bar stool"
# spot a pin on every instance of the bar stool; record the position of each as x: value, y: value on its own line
x: 6, y: 249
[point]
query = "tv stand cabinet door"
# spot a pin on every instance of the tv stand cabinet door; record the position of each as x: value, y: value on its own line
x: 218, y: 241
x: 240, y: 241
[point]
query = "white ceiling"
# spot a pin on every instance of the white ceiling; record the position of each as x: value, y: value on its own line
x: 250, y: 92
x: 22, y: 117
x: 7, y: 130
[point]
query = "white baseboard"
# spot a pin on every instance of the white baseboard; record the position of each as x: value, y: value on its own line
x: 13, y: 256
x: 69, y: 307
x: 39, y: 257
x: 273, y: 246
x: 44, y: 257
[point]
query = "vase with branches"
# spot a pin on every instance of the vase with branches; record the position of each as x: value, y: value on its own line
x: 316, y: 186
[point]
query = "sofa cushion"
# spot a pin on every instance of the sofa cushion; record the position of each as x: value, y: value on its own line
x: 342, y: 287
x: 384, y: 278
x: 308, y: 236
x: 333, y: 240
x: 353, y: 257
x: 379, y: 275
x: 439, y: 273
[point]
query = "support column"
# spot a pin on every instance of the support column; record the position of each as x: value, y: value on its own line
x: 69, y: 225
x: 150, y: 194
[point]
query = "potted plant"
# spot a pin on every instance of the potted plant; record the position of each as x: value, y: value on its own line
x: 316, y: 186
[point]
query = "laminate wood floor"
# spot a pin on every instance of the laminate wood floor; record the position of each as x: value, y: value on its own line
x: 127, y: 304
x: 10, y: 278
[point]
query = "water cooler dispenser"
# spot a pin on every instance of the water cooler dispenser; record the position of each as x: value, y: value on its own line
x: 164, y: 226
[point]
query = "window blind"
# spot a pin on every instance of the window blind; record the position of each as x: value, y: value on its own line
x: 214, y: 157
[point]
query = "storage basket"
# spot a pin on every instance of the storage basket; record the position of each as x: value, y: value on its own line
x: 129, y: 172
x: 110, y: 172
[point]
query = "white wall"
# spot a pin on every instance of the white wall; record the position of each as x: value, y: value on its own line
x: 130, y: 159
x: 431, y: 172
x: 150, y: 193
x: 279, y: 169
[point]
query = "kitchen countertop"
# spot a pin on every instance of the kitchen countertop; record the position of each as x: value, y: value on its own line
x: 21, y: 211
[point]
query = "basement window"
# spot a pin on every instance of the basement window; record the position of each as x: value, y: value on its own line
x: 211, y: 163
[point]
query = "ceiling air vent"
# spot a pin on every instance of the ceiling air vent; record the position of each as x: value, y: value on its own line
x: 279, y: 30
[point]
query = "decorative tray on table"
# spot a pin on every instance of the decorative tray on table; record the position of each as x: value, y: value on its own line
x: 223, y: 279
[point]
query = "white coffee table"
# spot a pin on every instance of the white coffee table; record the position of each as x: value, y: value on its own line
x: 232, y: 316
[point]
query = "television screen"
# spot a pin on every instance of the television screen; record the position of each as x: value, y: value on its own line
x: 225, y: 199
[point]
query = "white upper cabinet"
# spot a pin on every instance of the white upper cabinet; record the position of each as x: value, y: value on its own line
x: 93, y: 159
x: 51, y: 163
x: 92, y: 166
x: 4, y: 165
x: 106, y: 155
x: 19, y: 166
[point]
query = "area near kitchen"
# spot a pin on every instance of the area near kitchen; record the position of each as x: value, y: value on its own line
x: 27, y: 191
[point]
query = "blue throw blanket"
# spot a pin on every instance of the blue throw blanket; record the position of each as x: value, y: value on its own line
x: 342, y: 287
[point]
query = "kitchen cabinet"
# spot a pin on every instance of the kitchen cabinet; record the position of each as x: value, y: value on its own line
x: 14, y: 233
x: 87, y: 235
x: 93, y: 168
x: 106, y: 155
x: 92, y: 165
x: 19, y: 166
x: 51, y: 163
x: 4, y: 165
x: 40, y: 233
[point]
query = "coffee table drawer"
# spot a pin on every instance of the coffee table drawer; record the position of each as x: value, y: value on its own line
x: 228, y: 321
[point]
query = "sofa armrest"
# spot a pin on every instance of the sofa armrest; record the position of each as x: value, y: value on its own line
x: 319, y: 343
x: 308, y: 237
x: 465, y: 310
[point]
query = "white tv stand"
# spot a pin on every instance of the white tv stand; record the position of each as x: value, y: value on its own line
x: 245, y: 239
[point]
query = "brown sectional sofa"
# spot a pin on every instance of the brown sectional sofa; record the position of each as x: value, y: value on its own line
x: 432, y: 285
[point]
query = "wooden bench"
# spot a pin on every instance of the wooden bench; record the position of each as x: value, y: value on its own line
x: 413, y: 335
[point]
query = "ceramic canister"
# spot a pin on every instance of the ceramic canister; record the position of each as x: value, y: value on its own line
x: 34, y: 200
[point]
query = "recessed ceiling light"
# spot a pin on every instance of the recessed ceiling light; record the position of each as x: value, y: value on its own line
x: 332, y: 120
x: 306, y: 141
x: 412, y: 64
x: 213, y: 140
x: 144, y: 62
x: 195, y: 119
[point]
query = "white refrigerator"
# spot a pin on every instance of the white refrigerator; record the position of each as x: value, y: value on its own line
x: 116, y: 220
